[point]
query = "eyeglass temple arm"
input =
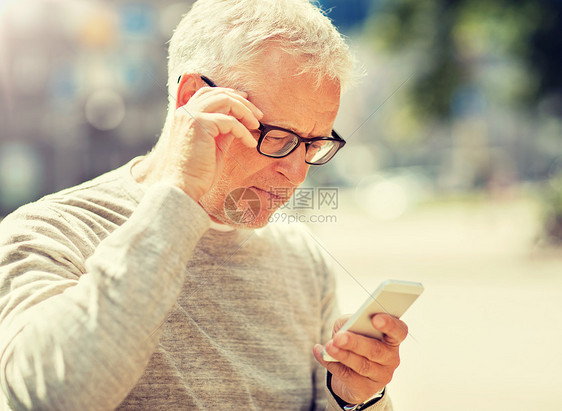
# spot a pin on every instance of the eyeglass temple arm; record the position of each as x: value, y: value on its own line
x: 205, y: 79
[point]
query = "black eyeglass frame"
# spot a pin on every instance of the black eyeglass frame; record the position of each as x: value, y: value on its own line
x: 266, y: 128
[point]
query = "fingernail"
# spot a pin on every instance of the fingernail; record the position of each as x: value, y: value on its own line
x: 379, y: 322
x: 317, y: 348
x: 341, y: 339
x: 332, y: 347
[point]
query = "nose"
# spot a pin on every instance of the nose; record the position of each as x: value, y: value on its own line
x: 294, y: 167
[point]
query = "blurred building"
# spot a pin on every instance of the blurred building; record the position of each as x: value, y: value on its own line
x: 82, y: 89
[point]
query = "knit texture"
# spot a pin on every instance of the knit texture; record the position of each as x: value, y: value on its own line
x: 116, y: 297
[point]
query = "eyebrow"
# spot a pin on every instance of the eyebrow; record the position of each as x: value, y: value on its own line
x: 291, y: 129
x: 286, y: 126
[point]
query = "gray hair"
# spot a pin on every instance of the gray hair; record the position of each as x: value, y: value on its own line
x: 221, y: 38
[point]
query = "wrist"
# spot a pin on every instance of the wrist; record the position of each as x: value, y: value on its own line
x: 342, y: 404
x: 146, y: 173
x: 365, y: 404
x: 191, y: 192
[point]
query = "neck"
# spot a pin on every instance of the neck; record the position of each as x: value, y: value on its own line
x: 144, y: 172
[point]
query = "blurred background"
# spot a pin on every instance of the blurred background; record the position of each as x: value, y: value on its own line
x: 452, y: 175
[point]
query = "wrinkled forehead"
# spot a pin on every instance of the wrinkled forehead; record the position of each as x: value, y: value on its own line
x: 273, y: 62
x: 292, y: 99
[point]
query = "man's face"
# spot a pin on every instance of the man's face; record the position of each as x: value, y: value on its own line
x: 287, y: 101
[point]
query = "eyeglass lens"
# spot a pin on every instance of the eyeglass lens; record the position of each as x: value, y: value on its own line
x: 278, y: 143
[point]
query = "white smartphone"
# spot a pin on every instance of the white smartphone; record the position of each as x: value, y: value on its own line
x: 392, y: 297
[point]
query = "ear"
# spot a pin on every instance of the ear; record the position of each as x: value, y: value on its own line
x: 188, y: 85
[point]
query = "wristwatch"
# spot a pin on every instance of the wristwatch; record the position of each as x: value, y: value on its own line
x: 365, y: 404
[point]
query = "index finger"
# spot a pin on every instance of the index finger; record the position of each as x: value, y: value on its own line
x: 394, y: 330
x: 241, y: 96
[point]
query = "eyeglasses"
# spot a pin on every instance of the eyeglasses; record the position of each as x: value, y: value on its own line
x: 278, y: 142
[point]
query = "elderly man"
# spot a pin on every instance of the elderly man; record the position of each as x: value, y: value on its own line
x: 139, y: 290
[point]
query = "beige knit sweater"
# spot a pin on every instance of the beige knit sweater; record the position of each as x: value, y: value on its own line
x: 115, y: 297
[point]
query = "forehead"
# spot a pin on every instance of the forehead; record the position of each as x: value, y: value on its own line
x: 291, y: 99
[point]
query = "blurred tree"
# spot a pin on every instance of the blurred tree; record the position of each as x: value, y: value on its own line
x: 456, y: 39
x: 552, y: 212
x: 546, y: 51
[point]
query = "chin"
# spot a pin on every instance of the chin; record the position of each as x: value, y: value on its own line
x: 243, y: 207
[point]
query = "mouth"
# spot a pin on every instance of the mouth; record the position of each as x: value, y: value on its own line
x: 266, y: 192
x: 279, y: 197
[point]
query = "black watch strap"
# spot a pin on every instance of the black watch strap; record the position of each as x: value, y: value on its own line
x: 355, y: 407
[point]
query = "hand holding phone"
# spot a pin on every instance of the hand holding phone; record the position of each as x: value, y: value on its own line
x: 392, y: 297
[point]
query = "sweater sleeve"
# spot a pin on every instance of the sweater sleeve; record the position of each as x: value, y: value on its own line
x: 74, y: 340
